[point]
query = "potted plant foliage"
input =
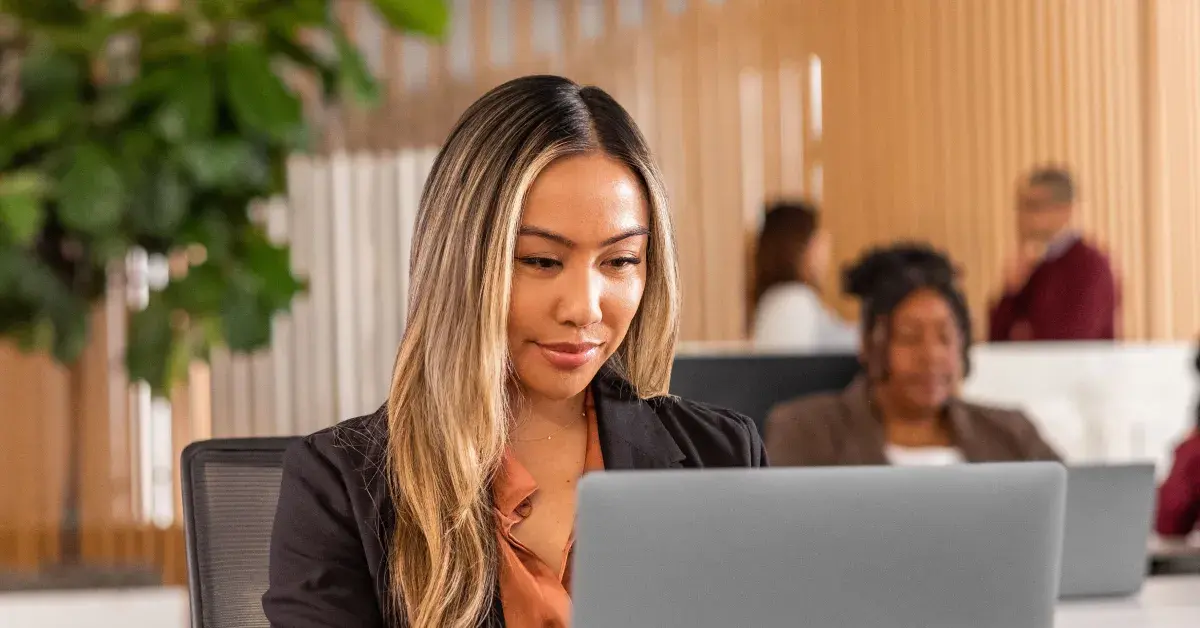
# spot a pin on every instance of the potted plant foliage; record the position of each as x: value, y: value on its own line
x: 156, y: 131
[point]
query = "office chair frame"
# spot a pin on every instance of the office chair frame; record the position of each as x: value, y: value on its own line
x: 187, y: 461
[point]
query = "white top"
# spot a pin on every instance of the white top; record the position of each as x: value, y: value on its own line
x: 792, y: 317
x: 923, y: 456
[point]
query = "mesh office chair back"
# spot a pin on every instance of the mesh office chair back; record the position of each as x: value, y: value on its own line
x: 230, y: 490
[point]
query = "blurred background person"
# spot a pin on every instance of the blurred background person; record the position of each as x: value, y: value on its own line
x: 1056, y: 286
x: 1179, y: 495
x: 791, y: 259
x: 904, y: 410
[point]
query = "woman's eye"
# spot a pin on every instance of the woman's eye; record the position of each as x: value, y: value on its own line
x: 540, y: 263
x: 625, y: 262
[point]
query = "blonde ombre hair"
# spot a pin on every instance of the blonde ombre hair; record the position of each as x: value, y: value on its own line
x: 448, y: 409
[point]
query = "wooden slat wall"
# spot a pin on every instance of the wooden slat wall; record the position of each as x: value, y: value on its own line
x: 928, y: 111
x: 1171, y: 90
x: 906, y: 119
x: 931, y: 110
x: 935, y: 108
x: 33, y: 427
x: 25, y: 548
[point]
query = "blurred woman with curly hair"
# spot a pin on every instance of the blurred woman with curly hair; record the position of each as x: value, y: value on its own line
x: 905, y: 407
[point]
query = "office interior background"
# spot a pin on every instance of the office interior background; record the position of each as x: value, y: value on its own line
x: 902, y: 119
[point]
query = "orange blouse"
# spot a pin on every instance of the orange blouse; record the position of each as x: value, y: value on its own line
x: 532, y: 594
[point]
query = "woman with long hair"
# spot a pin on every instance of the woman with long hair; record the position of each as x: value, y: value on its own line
x: 790, y: 262
x: 905, y: 408
x: 541, y: 331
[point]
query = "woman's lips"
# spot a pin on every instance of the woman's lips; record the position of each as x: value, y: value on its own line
x: 568, y: 356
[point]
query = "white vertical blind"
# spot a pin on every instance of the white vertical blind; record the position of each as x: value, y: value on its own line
x: 349, y: 219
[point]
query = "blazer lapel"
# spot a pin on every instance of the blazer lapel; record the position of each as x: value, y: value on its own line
x: 631, y: 434
x: 865, y: 438
x: 968, y: 442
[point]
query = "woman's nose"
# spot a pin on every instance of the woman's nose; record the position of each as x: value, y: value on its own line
x: 579, y: 299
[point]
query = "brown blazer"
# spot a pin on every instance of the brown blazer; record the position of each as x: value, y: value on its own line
x: 841, y: 429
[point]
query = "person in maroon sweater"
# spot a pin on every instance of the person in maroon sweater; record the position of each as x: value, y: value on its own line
x: 1179, y: 495
x: 1058, y: 286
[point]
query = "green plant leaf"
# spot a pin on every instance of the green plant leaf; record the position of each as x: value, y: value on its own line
x: 38, y: 129
x: 21, y: 211
x: 109, y: 248
x: 244, y: 319
x: 137, y: 148
x: 155, y: 82
x: 356, y: 78
x: 25, y: 182
x: 70, y: 330
x: 270, y: 267
x: 44, y: 299
x: 227, y: 162
x: 160, y: 34
x: 116, y: 102
x: 211, y: 231
x: 91, y: 193
x: 295, y: 14
x: 178, y: 360
x: 149, y: 343
x: 261, y: 286
x: 204, y: 334
x: 424, y: 16
x: 160, y: 207
x: 49, y: 12
x: 21, y: 218
x: 191, y: 108
x: 282, y: 43
x: 36, y: 335
x: 48, y: 74
x: 200, y: 292
x: 223, y: 10
x: 260, y: 100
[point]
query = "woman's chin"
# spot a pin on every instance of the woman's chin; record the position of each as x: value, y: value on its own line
x: 555, y: 385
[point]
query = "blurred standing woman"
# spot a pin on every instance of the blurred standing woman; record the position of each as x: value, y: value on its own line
x: 790, y: 261
x: 543, y: 319
x: 904, y: 409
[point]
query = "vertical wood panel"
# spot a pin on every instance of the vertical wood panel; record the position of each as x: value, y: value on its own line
x: 362, y: 273
x: 931, y: 111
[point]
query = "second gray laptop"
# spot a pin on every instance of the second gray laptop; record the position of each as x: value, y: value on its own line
x: 1107, y: 530
x: 968, y: 546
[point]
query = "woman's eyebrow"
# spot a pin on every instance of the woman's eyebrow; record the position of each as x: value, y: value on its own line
x: 538, y: 232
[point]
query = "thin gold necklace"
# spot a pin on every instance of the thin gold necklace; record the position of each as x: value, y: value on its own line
x: 553, y: 434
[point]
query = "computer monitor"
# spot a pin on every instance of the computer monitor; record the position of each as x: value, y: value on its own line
x: 753, y: 384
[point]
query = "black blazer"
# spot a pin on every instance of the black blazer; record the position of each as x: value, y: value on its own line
x: 335, y: 518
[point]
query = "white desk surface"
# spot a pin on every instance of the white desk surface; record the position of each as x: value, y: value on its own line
x: 157, y: 607
x: 1164, y: 602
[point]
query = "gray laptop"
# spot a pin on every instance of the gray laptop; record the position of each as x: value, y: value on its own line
x: 972, y: 546
x: 1107, y: 530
